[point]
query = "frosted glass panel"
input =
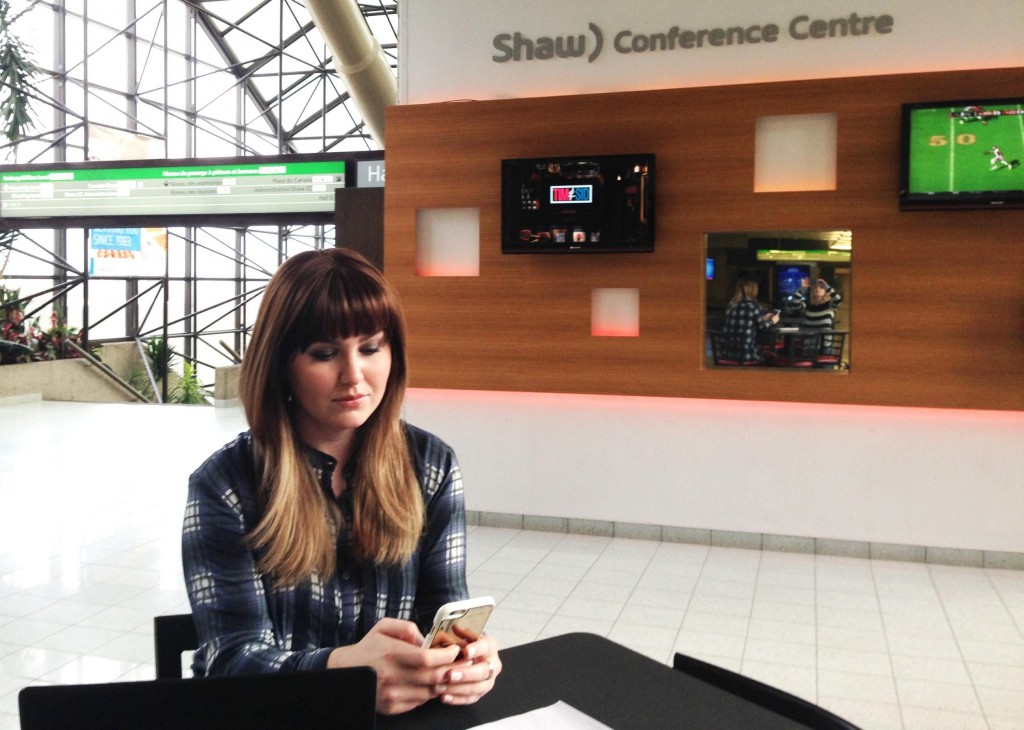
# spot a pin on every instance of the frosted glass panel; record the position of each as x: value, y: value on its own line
x: 448, y: 242
x: 615, y: 313
x: 795, y: 153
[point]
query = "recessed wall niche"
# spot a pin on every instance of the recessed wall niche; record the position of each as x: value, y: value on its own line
x: 795, y: 152
x: 448, y: 242
x: 615, y: 313
x: 779, y: 299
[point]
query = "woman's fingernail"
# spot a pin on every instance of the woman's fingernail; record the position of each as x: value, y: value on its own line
x: 456, y: 676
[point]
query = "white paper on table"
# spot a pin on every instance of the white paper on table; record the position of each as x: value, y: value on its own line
x: 558, y: 716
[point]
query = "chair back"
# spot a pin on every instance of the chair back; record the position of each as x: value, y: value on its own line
x: 173, y: 636
x: 830, y: 351
x: 782, y: 703
x: 328, y: 698
x: 726, y: 349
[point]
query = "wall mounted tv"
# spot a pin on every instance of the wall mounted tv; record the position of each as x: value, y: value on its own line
x: 226, y: 191
x: 962, y: 154
x: 578, y: 204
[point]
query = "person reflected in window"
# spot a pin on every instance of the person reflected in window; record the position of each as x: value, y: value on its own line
x: 329, y: 533
x: 816, y: 304
x: 744, y: 319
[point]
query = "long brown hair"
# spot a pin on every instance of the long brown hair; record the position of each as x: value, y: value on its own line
x: 319, y: 296
x: 746, y: 288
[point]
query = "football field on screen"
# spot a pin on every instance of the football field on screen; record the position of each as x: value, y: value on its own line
x: 950, y: 156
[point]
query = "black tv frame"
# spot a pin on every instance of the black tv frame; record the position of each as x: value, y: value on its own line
x: 1002, y: 198
x: 577, y: 231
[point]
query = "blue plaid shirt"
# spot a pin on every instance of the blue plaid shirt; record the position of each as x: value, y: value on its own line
x: 246, y: 625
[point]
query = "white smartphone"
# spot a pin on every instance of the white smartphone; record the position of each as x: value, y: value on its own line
x: 459, y: 622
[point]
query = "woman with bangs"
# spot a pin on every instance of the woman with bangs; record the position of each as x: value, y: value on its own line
x: 329, y: 533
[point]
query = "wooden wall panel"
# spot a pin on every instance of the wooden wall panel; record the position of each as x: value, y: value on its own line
x: 939, y: 315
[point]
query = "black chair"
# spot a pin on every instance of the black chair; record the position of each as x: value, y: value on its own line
x: 173, y: 636
x: 724, y: 349
x: 830, y: 350
x: 790, y: 706
x: 329, y: 698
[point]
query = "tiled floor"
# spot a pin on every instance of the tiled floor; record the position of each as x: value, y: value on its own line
x: 90, y: 507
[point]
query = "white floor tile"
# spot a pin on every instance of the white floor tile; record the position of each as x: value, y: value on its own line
x: 660, y: 617
x: 932, y: 669
x: 702, y: 644
x: 795, y: 632
x: 928, y: 718
x: 773, y: 651
x: 88, y: 670
x: 837, y: 659
x: 863, y: 713
x: 885, y: 644
x: 649, y: 637
x: 937, y: 695
x: 850, y: 685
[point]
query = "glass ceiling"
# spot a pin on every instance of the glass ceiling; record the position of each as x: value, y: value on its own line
x: 132, y: 79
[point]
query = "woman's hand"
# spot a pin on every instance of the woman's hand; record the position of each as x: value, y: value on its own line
x: 473, y: 675
x: 407, y: 674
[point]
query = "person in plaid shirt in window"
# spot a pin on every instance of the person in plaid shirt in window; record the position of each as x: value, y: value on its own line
x: 744, y: 318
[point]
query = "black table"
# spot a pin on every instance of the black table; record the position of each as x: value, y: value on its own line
x: 801, y: 346
x: 615, y: 685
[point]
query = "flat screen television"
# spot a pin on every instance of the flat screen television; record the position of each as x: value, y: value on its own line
x: 962, y: 154
x: 788, y: 279
x: 578, y: 204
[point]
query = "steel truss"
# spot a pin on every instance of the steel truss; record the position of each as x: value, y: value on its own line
x: 177, y: 79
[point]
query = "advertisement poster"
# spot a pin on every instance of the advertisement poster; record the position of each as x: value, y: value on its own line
x: 127, y: 252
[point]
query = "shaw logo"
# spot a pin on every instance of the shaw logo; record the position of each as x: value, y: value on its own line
x: 571, y: 193
x: 518, y: 47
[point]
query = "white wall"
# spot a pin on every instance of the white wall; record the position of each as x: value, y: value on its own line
x: 928, y: 477
x: 447, y: 47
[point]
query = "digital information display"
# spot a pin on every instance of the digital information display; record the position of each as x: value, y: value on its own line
x: 280, y: 187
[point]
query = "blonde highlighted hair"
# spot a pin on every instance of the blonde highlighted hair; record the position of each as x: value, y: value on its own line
x: 320, y: 296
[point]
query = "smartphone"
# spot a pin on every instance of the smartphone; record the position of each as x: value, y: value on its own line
x: 459, y: 622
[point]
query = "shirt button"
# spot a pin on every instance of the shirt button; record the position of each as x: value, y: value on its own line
x: 344, y: 575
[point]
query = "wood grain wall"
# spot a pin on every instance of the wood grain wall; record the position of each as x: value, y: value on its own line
x: 939, y: 317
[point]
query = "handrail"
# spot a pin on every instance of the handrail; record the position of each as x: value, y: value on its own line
x: 105, y: 369
x: 149, y: 371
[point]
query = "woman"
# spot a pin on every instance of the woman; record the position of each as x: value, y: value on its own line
x: 817, y: 305
x: 329, y: 533
x: 743, y: 320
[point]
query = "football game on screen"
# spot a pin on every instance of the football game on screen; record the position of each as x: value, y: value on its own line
x: 967, y: 149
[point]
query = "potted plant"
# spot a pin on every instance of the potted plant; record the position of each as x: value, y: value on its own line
x: 16, y: 76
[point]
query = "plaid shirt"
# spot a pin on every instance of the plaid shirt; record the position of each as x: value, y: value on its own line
x: 742, y: 323
x: 246, y: 625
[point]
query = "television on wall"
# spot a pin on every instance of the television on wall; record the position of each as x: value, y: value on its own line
x: 578, y: 204
x: 962, y: 154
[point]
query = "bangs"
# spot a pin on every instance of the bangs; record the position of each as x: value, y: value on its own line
x: 339, y: 307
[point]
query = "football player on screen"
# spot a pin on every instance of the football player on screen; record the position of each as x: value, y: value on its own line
x: 998, y: 160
